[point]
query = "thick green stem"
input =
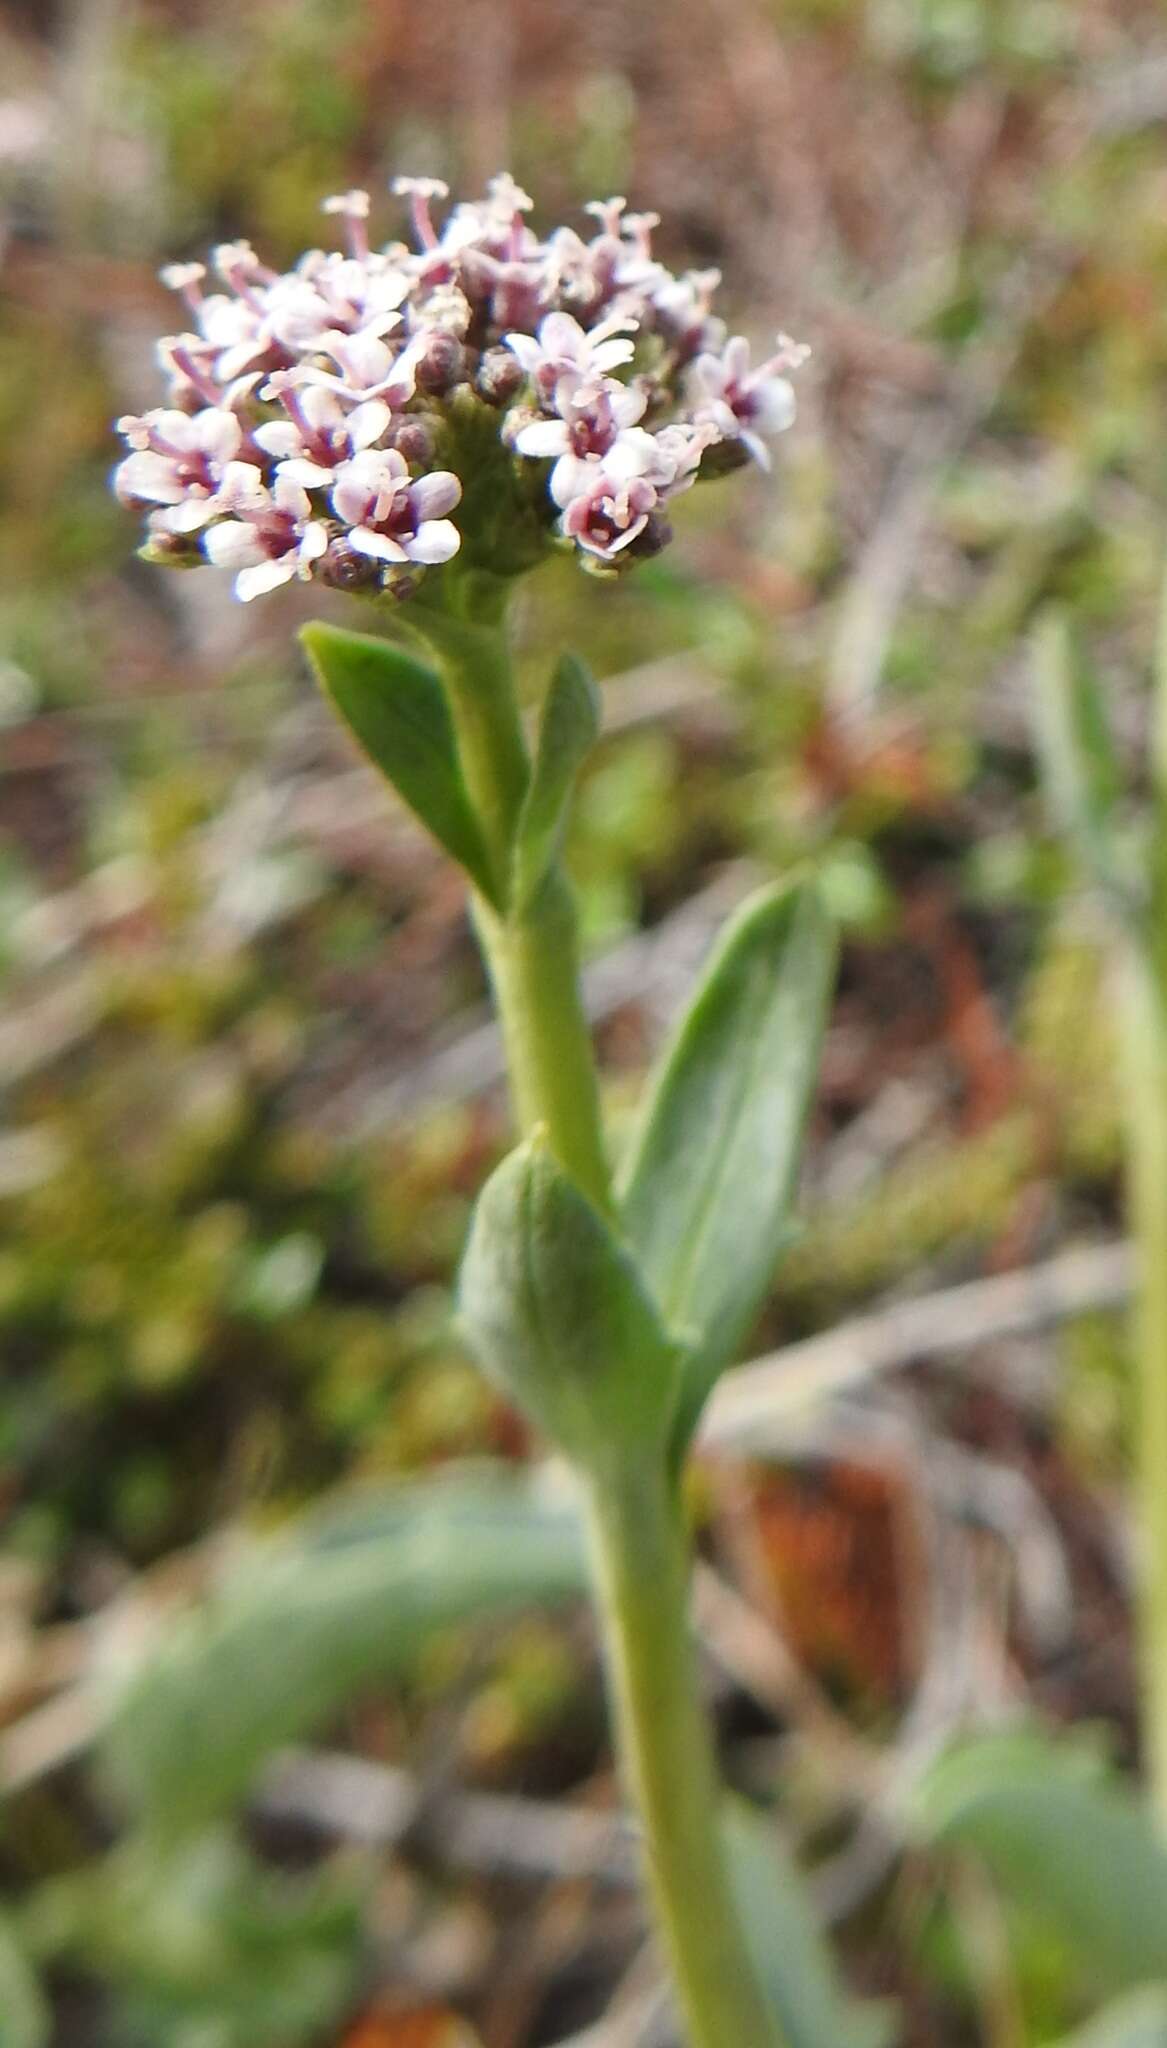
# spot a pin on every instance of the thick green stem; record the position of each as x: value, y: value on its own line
x: 532, y: 954
x: 534, y: 969
x: 642, y: 1567
x: 493, y: 752
x: 1144, y: 1012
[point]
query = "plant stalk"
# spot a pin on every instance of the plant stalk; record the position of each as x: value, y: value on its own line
x: 640, y: 1547
x: 641, y: 1564
x: 534, y: 970
x: 533, y: 954
x: 1144, y: 1020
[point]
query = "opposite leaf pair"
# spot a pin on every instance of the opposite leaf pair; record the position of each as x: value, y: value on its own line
x: 611, y: 1333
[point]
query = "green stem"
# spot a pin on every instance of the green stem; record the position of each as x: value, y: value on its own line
x: 533, y: 954
x: 1144, y: 1015
x: 641, y: 1565
x: 475, y: 664
x: 534, y: 969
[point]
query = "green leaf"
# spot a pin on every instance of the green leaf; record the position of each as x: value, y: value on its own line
x: 396, y: 707
x: 706, y: 1193
x: 1064, y: 1840
x: 24, y: 2012
x: 1136, y: 2022
x: 558, y: 1315
x: 567, y: 732
x: 1082, y: 772
x: 794, y: 1963
x: 349, y: 1599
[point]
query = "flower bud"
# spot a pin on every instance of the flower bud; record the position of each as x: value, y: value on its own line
x: 500, y: 376
x: 414, y: 439
x: 343, y: 568
x: 440, y: 365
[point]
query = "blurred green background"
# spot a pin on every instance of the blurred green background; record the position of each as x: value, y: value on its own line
x: 248, y: 1091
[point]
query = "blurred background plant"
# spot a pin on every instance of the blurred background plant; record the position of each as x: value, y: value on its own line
x: 249, y: 1088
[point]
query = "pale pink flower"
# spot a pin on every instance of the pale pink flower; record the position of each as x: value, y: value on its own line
x: 277, y: 540
x: 186, y: 278
x: 240, y: 267
x: 367, y: 366
x: 393, y: 518
x: 494, y: 225
x: 597, y: 424
x: 683, y: 309
x: 624, y: 270
x: 563, y: 349
x: 353, y: 208
x: 329, y: 292
x: 178, y: 460
x: 319, y: 434
x: 745, y: 404
x: 678, y: 451
x: 607, y: 517
x: 420, y: 192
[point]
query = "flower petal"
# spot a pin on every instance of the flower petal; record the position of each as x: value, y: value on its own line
x: 543, y: 438
x: 436, y: 540
x: 311, y: 476
x: 233, y: 544
x: 434, y: 495
x: 367, y: 422
x: 379, y: 545
x: 280, y: 438
x: 264, y: 577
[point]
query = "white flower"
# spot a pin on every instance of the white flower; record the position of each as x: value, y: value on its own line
x: 178, y: 460
x: 186, y: 278
x: 683, y: 308
x: 562, y: 348
x: 368, y: 368
x: 505, y: 198
x: 240, y: 267
x: 745, y: 404
x: 678, y: 451
x: 493, y: 226
x: 310, y: 445
x: 279, y: 539
x: 354, y: 208
x: 419, y: 192
x: 608, y: 515
x: 597, y: 423
x: 330, y: 292
x: 392, y: 518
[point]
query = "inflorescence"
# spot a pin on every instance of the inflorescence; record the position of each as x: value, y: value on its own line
x: 327, y: 421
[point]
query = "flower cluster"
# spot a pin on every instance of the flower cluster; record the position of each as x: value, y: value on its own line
x: 327, y: 421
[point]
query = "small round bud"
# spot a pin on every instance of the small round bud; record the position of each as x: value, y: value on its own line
x: 500, y: 376
x: 414, y: 439
x: 439, y: 366
x: 345, y: 568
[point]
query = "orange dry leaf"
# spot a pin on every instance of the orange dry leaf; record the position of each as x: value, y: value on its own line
x: 824, y: 1544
